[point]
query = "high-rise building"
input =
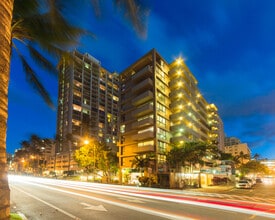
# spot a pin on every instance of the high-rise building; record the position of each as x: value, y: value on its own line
x: 161, y: 104
x: 144, y: 111
x: 189, y: 117
x: 87, y: 103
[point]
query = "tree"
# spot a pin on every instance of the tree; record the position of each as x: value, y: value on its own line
x: 95, y: 157
x: 85, y: 157
x: 241, y: 158
x: 175, y: 158
x: 253, y: 166
x: 107, y: 162
x: 143, y: 162
x: 6, y: 8
x: 192, y: 154
x: 256, y: 156
x: 37, y: 30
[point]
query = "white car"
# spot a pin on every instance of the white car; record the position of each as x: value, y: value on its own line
x: 245, y: 184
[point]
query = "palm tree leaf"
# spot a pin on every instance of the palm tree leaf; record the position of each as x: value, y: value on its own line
x: 136, y: 12
x: 24, y: 8
x: 37, y: 85
x: 41, y: 60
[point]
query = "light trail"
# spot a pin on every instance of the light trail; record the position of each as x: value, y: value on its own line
x: 149, y: 211
x: 252, y: 208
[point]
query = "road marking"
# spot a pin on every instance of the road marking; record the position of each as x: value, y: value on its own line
x: 131, y: 200
x: 122, y: 205
x: 49, y: 204
x: 94, y: 207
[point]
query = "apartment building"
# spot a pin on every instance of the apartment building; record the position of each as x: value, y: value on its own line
x: 141, y: 111
x: 161, y: 104
x: 192, y: 118
x: 144, y: 111
x: 236, y: 149
x: 87, y: 104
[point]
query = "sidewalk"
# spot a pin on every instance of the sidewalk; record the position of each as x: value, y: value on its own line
x: 14, y: 209
x: 214, y: 189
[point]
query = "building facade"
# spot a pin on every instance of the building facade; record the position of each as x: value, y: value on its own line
x: 228, y: 141
x: 161, y: 104
x: 140, y: 111
x: 144, y: 111
x: 192, y: 117
x: 236, y: 149
x: 87, y: 104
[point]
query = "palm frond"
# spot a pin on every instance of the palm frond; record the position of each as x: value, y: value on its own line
x: 136, y: 12
x: 34, y: 81
x: 25, y: 8
x: 41, y: 60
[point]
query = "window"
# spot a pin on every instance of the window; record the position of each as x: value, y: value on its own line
x: 77, y: 108
x: 162, y: 147
x: 87, y: 66
x: 161, y: 108
x: 161, y: 121
x: 122, y: 128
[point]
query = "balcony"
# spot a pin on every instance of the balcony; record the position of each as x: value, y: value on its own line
x: 143, y: 85
x: 144, y: 97
x: 143, y: 110
x: 144, y: 122
x: 143, y: 149
x: 145, y: 72
x: 143, y: 136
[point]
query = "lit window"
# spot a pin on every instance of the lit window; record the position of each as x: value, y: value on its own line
x: 115, y: 98
x: 77, y: 108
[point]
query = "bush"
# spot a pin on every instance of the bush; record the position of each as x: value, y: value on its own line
x: 147, y: 181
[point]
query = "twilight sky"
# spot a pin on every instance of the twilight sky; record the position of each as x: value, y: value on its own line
x: 229, y: 46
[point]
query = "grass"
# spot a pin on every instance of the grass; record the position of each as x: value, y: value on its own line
x: 14, y: 216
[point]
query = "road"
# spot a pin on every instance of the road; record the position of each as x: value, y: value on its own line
x: 41, y: 198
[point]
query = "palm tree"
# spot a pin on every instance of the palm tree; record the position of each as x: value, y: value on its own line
x: 23, y: 22
x: 175, y: 158
x: 6, y: 8
x: 242, y: 157
x: 256, y: 156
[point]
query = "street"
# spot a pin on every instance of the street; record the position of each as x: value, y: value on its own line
x: 41, y: 198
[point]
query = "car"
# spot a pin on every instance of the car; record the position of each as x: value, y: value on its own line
x: 258, y: 180
x: 244, y: 184
x: 252, y: 181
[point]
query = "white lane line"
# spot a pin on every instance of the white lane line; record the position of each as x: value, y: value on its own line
x: 132, y: 207
x: 48, y: 204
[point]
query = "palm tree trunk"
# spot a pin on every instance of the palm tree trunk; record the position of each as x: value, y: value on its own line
x: 6, y: 8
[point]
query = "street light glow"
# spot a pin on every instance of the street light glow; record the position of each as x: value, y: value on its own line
x: 86, y: 142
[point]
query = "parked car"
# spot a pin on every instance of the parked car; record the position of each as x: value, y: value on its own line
x: 258, y: 180
x: 252, y: 181
x: 245, y: 184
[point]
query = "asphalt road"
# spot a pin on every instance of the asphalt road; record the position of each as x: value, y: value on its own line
x: 41, y: 199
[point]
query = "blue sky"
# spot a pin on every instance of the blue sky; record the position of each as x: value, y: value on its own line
x: 228, y: 45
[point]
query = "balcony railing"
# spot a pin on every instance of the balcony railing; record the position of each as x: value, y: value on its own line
x: 143, y: 136
x: 144, y: 122
x: 143, y: 85
x: 143, y: 110
x: 144, y: 97
x: 145, y: 72
x: 143, y: 149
